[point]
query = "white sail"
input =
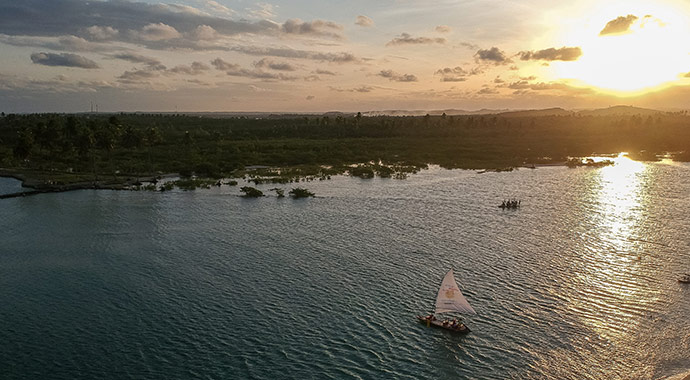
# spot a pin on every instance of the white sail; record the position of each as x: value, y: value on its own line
x: 450, y: 297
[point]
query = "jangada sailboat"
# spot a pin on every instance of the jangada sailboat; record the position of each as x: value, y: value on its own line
x: 449, y: 300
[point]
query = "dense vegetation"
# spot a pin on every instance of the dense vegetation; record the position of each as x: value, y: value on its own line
x: 85, y: 146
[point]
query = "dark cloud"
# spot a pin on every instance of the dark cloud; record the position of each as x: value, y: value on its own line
x: 270, y: 64
x: 64, y: 43
x: 156, y: 26
x: 523, y: 85
x: 552, y: 54
x: 310, y: 97
x: 106, y: 20
x: 324, y: 72
x: 301, y: 54
x: 406, y: 39
x: 619, y: 25
x: 519, y: 85
x: 236, y: 70
x: 136, y: 76
x: 469, y: 45
x: 457, y: 74
x: 319, y: 28
x: 487, y: 91
x: 222, y: 65
x: 393, y: 76
x: 195, y: 68
x: 65, y: 59
x: 360, y: 89
x: 152, y: 63
x: 364, y: 21
x: 493, y: 55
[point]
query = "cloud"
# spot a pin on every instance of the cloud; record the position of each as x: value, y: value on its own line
x: 487, y: 91
x: 23, y: 86
x: 319, y: 28
x: 155, y: 26
x: 393, y: 76
x: 65, y: 43
x: 552, y: 54
x: 469, y: 45
x: 204, y: 33
x: 100, y: 20
x: 619, y: 25
x: 310, y: 97
x: 443, y: 29
x: 219, y: 8
x: 65, y: 59
x: 157, y: 32
x: 519, y: 85
x: 457, y: 74
x: 138, y: 74
x: 222, y: 65
x: 360, y: 89
x: 195, y: 68
x: 407, y: 39
x: 233, y: 69
x: 264, y: 10
x: 101, y: 33
x: 341, y: 57
x: 324, y: 72
x: 152, y: 63
x: 270, y: 64
x: 493, y: 55
x: 364, y: 21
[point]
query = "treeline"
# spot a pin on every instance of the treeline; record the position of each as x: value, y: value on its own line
x: 151, y: 143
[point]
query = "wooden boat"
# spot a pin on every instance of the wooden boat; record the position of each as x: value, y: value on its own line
x: 510, y: 205
x: 685, y: 279
x: 448, y: 300
x: 446, y: 324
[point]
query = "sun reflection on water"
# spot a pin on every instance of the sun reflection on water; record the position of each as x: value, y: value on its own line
x: 612, y: 286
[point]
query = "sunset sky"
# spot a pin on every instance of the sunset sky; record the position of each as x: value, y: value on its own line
x: 314, y: 56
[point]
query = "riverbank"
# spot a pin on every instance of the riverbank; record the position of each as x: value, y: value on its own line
x: 39, y: 182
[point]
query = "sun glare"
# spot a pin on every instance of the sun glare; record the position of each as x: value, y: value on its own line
x: 646, y: 56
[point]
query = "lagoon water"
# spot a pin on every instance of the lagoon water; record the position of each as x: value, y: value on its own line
x: 580, y: 283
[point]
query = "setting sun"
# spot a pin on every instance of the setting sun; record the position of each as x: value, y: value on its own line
x: 633, y: 53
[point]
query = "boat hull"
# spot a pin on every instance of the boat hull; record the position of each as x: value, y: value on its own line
x: 460, y: 328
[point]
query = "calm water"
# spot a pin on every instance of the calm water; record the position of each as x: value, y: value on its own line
x: 580, y: 283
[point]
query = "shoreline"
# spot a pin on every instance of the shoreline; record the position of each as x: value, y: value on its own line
x: 40, y: 182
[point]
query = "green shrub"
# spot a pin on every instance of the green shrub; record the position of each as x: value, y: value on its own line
x: 251, y: 192
x: 299, y: 192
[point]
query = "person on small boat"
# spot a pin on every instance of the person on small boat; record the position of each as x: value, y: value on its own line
x: 431, y: 317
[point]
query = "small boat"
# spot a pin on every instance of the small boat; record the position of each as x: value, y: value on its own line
x: 685, y: 279
x: 510, y: 204
x: 449, y: 299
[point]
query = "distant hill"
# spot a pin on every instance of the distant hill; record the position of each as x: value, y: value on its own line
x: 556, y: 111
x: 535, y: 113
x: 620, y: 111
x: 448, y: 112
